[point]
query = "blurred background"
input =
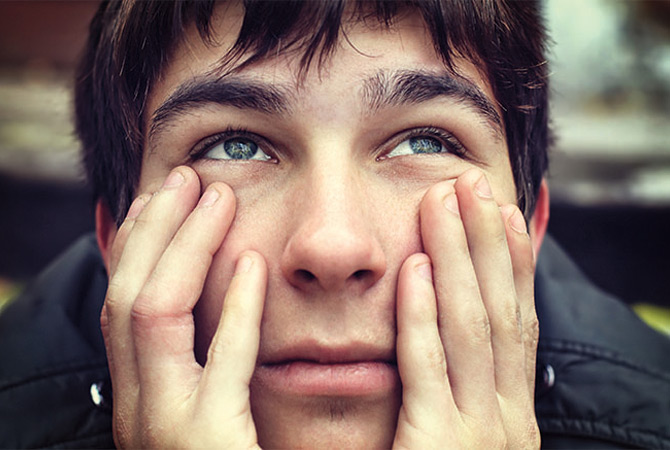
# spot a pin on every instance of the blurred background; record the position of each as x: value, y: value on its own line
x: 609, y: 176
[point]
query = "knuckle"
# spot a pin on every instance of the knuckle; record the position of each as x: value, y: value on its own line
x: 436, y: 361
x: 218, y: 346
x: 479, y: 329
x: 114, y: 302
x: 225, y: 345
x: 105, y: 328
x: 511, y: 324
x: 531, y: 330
x: 495, y: 241
x: 437, y: 192
x: 498, y: 242
x: 142, y: 222
x: 527, y: 436
x: 104, y: 319
x: 143, y: 313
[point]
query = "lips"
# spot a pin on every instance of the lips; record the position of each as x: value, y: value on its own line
x: 309, y: 369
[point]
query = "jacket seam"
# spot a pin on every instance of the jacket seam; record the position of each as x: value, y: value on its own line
x: 69, y: 443
x: 565, y: 347
x: 54, y: 372
x: 635, y: 436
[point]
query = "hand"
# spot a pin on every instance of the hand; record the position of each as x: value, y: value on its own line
x: 157, y: 266
x: 467, y: 328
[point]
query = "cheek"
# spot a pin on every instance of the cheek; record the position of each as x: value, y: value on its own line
x: 252, y: 229
x: 502, y: 182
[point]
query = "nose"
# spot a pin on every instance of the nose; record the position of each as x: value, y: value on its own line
x: 333, y: 245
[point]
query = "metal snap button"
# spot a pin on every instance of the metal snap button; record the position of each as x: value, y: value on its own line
x: 548, y: 376
x: 545, y: 378
x: 96, y: 394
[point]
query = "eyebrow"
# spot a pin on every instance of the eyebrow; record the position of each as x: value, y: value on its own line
x: 404, y: 87
x: 238, y: 92
x: 384, y: 89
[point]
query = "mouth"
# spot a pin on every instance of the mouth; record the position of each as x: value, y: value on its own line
x: 314, y: 370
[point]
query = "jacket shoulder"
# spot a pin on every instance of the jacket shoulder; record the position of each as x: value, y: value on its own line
x: 603, y: 374
x: 54, y: 377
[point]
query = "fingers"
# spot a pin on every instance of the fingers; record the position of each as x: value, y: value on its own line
x: 421, y: 359
x: 237, y: 337
x: 141, y: 240
x: 124, y: 231
x: 120, y: 241
x: 521, y: 252
x: 462, y: 318
x: 481, y: 312
x: 520, y: 409
x: 487, y: 241
x: 159, y: 262
x: 162, y: 320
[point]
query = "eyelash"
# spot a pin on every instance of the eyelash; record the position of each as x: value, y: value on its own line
x: 448, y: 140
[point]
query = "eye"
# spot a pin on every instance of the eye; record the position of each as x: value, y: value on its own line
x: 427, y: 141
x: 238, y: 145
x: 237, y: 148
x: 417, y: 145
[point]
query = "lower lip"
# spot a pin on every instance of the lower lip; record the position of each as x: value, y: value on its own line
x: 305, y: 378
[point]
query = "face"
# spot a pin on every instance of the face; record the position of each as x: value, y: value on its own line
x: 328, y: 173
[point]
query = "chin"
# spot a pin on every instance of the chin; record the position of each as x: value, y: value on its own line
x: 325, y: 422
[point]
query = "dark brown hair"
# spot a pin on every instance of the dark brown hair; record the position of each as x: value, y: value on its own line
x: 131, y: 42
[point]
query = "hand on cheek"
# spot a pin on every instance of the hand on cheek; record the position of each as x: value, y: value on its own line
x: 158, y: 265
x: 467, y: 329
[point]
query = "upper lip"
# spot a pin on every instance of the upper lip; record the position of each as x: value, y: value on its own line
x: 329, y: 354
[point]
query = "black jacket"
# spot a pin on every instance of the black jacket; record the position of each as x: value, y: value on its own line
x: 603, y: 376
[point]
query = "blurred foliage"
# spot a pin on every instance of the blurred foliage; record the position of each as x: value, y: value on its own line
x: 8, y: 291
x: 657, y: 317
x: 646, y: 31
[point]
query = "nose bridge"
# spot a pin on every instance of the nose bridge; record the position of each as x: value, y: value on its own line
x: 333, y: 244
x: 334, y: 199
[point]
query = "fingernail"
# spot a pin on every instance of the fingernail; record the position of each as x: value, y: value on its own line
x: 209, y: 197
x: 425, y: 271
x: 451, y: 203
x: 173, y: 180
x: 518, y: 223
x: 483, y: 189
x: 243, y: 265
x: 136, y: 207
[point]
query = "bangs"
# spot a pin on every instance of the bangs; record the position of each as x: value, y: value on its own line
x: 314, y: 29
x: 310, y: 28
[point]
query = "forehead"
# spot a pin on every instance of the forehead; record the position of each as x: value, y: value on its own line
x: 365, y: 48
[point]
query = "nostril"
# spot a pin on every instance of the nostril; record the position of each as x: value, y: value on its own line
x: 304, y: 276
x: 361, y: 274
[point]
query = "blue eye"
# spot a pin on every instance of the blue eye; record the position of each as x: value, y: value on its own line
x: 240, y: 149
x: 417, y: 145
x: 428, y: 140
x: 425, y: 144
x: 237, y: 149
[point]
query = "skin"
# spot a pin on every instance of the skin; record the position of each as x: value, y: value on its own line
x: 221, y: 264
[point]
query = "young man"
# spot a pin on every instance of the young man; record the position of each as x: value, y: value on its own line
x: 313, y: 218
